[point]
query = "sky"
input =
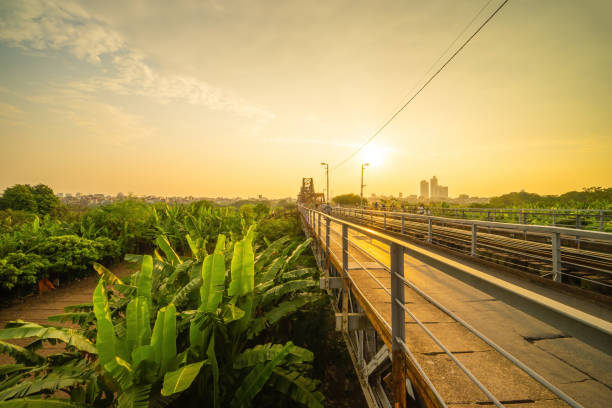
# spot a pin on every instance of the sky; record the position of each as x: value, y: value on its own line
x: 240, y: 98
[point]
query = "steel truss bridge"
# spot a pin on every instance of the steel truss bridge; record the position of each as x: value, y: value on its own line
x: 431, y: 317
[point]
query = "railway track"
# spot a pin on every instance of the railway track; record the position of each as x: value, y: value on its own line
x: 584, y: 262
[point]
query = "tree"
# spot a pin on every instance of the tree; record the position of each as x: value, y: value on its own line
x: 38, y: 199
x: 348, y: 199
x: 20, y: 197
x: 45, y: 198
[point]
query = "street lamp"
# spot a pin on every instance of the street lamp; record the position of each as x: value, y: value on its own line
x: 363, y: 166
x: 327, y: 175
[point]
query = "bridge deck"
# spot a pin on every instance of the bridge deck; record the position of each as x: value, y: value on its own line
x: 579, y: 369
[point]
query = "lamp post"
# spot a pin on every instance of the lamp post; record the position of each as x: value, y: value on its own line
x: 363, y: 166
x: 327, y: 175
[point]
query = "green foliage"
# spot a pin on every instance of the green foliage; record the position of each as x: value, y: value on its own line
x: 348, y: 200
x: 588, y: 198
x: 20, y: 271
x: 215, y: 349
x: 38, y: 199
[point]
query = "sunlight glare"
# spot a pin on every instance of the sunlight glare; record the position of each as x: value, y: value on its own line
x: 373, y: 154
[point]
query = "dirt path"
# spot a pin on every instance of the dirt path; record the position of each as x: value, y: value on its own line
x: 36, y: 309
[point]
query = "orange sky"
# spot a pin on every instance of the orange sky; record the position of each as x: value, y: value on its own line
x: 244, y: 98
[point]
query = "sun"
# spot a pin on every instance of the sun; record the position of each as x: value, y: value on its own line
x: 373, y: 154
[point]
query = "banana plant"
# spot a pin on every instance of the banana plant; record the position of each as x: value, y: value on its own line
x: 177, y: 329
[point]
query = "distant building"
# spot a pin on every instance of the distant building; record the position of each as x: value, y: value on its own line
x: 400, y: 194
x: 424, y: 189
x: 437, y: 191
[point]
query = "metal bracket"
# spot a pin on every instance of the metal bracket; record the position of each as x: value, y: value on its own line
x: 356, y: 321
x: 332, y: 282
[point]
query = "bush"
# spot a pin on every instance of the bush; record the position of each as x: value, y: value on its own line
x: 20, y: 271
x: 69, y: 255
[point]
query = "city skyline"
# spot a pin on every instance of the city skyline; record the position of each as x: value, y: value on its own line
x: 94, y: 98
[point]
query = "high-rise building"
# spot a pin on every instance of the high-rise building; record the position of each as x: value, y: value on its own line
x: 433, y: 187
x: 436, y: 190
x: 424, y: 189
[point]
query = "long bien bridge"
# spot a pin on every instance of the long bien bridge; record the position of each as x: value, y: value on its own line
x: 461, y: 313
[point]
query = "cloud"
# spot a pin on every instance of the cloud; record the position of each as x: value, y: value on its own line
x: 96, y: 120
x: 46, y: 25
x: 64, y: 26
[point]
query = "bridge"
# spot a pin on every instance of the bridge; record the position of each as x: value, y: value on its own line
x: 456, y: 312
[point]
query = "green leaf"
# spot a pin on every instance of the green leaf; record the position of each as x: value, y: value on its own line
x: 257, y: 378
x: 69, y: 336
x: 212, y: 358
x: 242, y: 269
x: 79, y: 318
x: 106, y: 274
x: 220, y: 247
x: 163, y: 339
x: 137, y: 320
x: 266, y: 352
x: 49, y: 383
x: 145, y: 278
x: 181, y: 379
x: 275, y: 293
x: 121, y: 372
x: 182, y: 296
x: 105, y: 337
x: 135, y: 397
x: 296, y: 253
x: 300, y: 389
x: 20, y: 354
x: 231, y: 313
x: 213, y: 282
x: 163, y: 243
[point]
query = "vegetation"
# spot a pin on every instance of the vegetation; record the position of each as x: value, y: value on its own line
x: 588, y: 198
x: 191, y: 330
x: 40, y: 241
x: 348, y: 200
x: 38, y: 199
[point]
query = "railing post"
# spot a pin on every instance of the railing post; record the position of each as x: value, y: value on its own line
x: 398, y: 328
x: 554, y: 214
x: 578, y: 223
x: 601, y: 220
x: 403, y: 223
x: 429, y: 230
x: 319, y: 228
x: 327, y: 244
x: 556, y: 256
x: 474, y: 239
x: 345, y: 286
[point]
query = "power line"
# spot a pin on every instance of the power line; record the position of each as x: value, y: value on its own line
x: 381, y: 128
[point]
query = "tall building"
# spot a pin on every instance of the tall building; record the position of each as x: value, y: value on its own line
x: 437, y: 191
x: 433, y: 187
x: 424, y: 189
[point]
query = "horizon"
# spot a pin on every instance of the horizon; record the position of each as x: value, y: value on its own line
x: 247, y: 98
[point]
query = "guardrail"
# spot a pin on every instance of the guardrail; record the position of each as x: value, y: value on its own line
x: 399, y: 350
x: 484, y: 239
x: 570, y: 218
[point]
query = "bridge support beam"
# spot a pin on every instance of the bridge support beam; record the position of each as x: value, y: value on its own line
x: 398, y: 329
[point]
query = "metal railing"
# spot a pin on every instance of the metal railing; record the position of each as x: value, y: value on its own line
x: 588, y: 219
x: 400, y: 350
x: 486, y: 239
